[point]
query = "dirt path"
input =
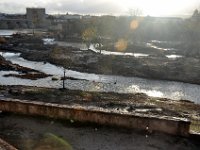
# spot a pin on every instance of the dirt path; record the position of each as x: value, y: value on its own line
x: 26, y: 133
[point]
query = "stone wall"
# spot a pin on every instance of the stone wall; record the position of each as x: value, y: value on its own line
x: 168, y: 125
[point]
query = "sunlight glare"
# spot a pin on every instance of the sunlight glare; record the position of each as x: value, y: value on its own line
x: 134, y: 24
x: 157, y: 7
x: 121, y: 45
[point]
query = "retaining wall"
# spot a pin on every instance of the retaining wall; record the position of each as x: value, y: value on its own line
x: 175, y: 126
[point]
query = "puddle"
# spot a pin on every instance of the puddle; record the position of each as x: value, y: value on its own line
x: 174, y: 56
x: 49, y: 41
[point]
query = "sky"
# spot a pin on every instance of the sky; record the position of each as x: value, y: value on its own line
x: 99, y: 7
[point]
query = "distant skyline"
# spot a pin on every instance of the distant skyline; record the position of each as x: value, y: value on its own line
x: 100, y: 7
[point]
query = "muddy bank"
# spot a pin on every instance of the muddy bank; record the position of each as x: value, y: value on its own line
x: 31, y: 76
x: 132, y: 103
x: 23, y: 72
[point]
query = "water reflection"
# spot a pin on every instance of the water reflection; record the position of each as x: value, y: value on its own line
x: 11, y: 32
x: 159, y: 48
x: 7, y: 54
x: 7, y: 32
x: 49, y: 41
x: 104, y: 52
x: 174, y: 56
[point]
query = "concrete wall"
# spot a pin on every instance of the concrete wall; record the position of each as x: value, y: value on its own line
x: 169, y: 125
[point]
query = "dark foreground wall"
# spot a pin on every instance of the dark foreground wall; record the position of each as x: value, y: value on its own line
x: 83, y: 114
x: 5, y: 146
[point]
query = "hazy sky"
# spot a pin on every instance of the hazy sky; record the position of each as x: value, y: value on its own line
x: 112, y: 7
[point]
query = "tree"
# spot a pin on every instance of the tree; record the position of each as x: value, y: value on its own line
x: 134, y: 12
x: 196, y: 13
x: 35, y: 20
x: 89, y: 35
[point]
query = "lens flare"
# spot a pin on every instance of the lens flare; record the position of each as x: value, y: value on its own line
x: 121, y: 45
x: 134, y: 24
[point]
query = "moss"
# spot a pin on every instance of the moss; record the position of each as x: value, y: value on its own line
x: 52, y: 142
x: 195, y: 126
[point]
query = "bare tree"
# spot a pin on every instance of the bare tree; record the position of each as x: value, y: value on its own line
x: 64, y: 78
x: 135, y: 12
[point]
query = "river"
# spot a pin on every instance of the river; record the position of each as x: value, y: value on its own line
x: 96, y: 82
x: 106, y: 83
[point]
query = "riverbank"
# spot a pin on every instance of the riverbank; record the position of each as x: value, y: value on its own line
x: 130, y: 103
x: 153, y: 66
x: 20, y: 71
x: 31, y: 132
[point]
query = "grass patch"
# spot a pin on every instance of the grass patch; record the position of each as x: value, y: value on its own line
x: 195, y: 126
x: 52, y: 142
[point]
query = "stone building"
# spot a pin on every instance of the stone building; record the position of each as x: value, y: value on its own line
x: 37, y: 16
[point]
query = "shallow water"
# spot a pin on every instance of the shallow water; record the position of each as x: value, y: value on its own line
x: 159, y: 48
x: 105, y: 52
x: 174, y: 56
x: 11, y: 32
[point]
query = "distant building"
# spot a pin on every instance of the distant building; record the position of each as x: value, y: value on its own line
x: 67, y: 17
x: 37, y: 16
x: 70, y: 17
x: 2, y: 16
x: 15, y: 24
x: 163, y: 19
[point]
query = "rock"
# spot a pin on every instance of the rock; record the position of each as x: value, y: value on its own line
x: 54, y: 79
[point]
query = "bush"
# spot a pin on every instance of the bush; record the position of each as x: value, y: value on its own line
x: 2, y: 40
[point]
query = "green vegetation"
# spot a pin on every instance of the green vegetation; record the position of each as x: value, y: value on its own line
x: 89, y: 35
x: 195, y: 126
x: 52, y: 142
